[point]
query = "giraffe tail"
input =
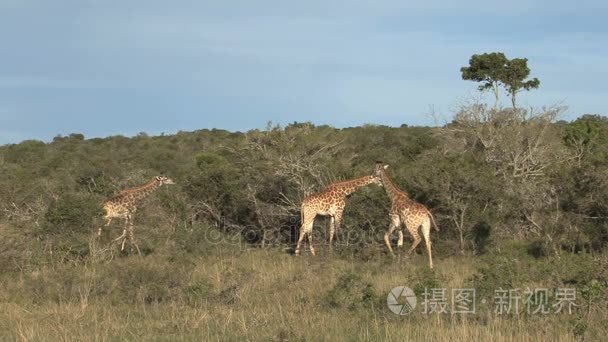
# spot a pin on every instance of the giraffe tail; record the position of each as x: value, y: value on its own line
x: 433, y: 220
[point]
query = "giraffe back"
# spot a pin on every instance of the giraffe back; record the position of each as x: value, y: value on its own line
x: 324, y: 203
x: 120, y: 205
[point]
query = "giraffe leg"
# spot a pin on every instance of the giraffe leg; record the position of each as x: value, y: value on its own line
x: 132, y: 239
x: 123, y: 236
x: 400, y: 240
x: 417, y: 240
x: 337, y: 223
x: 302, y: 235
x: 395, y: 222
x: 332, y: 231
x: 312, y: 250
x: 108, y: 221
x: 122, y: 245
x: 412, y: 228
x: 426, y: 232
x: 305, y: 228
x: 124, y: 231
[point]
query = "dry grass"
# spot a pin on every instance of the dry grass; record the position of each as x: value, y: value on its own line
x: 253, y: 295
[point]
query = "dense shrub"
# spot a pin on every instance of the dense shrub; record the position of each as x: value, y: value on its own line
x: 72, y: 213
x: 352, y: 292
x: 487, y: 176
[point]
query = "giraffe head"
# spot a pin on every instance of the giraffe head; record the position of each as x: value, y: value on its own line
x: 380, y: 167
x: 376, y: 179
x: 164, y: 180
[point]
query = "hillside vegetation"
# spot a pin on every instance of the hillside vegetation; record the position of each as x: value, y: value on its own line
x: 521, y: 200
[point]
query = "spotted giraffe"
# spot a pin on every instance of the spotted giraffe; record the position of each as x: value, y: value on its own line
x: 405, y: 210
x: 124, y: 205
x: 330, y: 202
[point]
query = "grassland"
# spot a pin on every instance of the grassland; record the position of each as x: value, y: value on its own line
x: 225, y: 292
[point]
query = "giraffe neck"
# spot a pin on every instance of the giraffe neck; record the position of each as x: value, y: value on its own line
x: 391, y: 189
x: 143, y: 191
x: 350, y: 186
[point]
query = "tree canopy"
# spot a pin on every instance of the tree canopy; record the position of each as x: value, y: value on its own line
x: 495, y: 70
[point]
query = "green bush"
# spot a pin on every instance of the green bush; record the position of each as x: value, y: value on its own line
x: 352, y: 292
x: 426, y: 279
x: 481, y: 236
x: 539, y: 249
x: 72, y: 213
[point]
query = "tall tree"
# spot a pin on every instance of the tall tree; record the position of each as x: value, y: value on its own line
x: 487, y: 68
x: 514, y: 77
x: 495, y: 70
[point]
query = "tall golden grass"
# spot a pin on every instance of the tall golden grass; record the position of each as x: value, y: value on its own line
x: 254, y: 295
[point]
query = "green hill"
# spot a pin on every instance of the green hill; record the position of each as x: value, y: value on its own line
x: 521, y: 200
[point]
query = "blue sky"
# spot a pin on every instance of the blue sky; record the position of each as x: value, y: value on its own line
x: 122, y: 67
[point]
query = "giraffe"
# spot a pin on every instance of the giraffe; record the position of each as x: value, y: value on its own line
x: 329, y: 202
x: 124, y: 205
x: 405, y: 210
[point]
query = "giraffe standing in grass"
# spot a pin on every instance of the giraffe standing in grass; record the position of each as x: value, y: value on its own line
x: 330, y: 202
x: 405, y: 210
x: 124, y: 205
